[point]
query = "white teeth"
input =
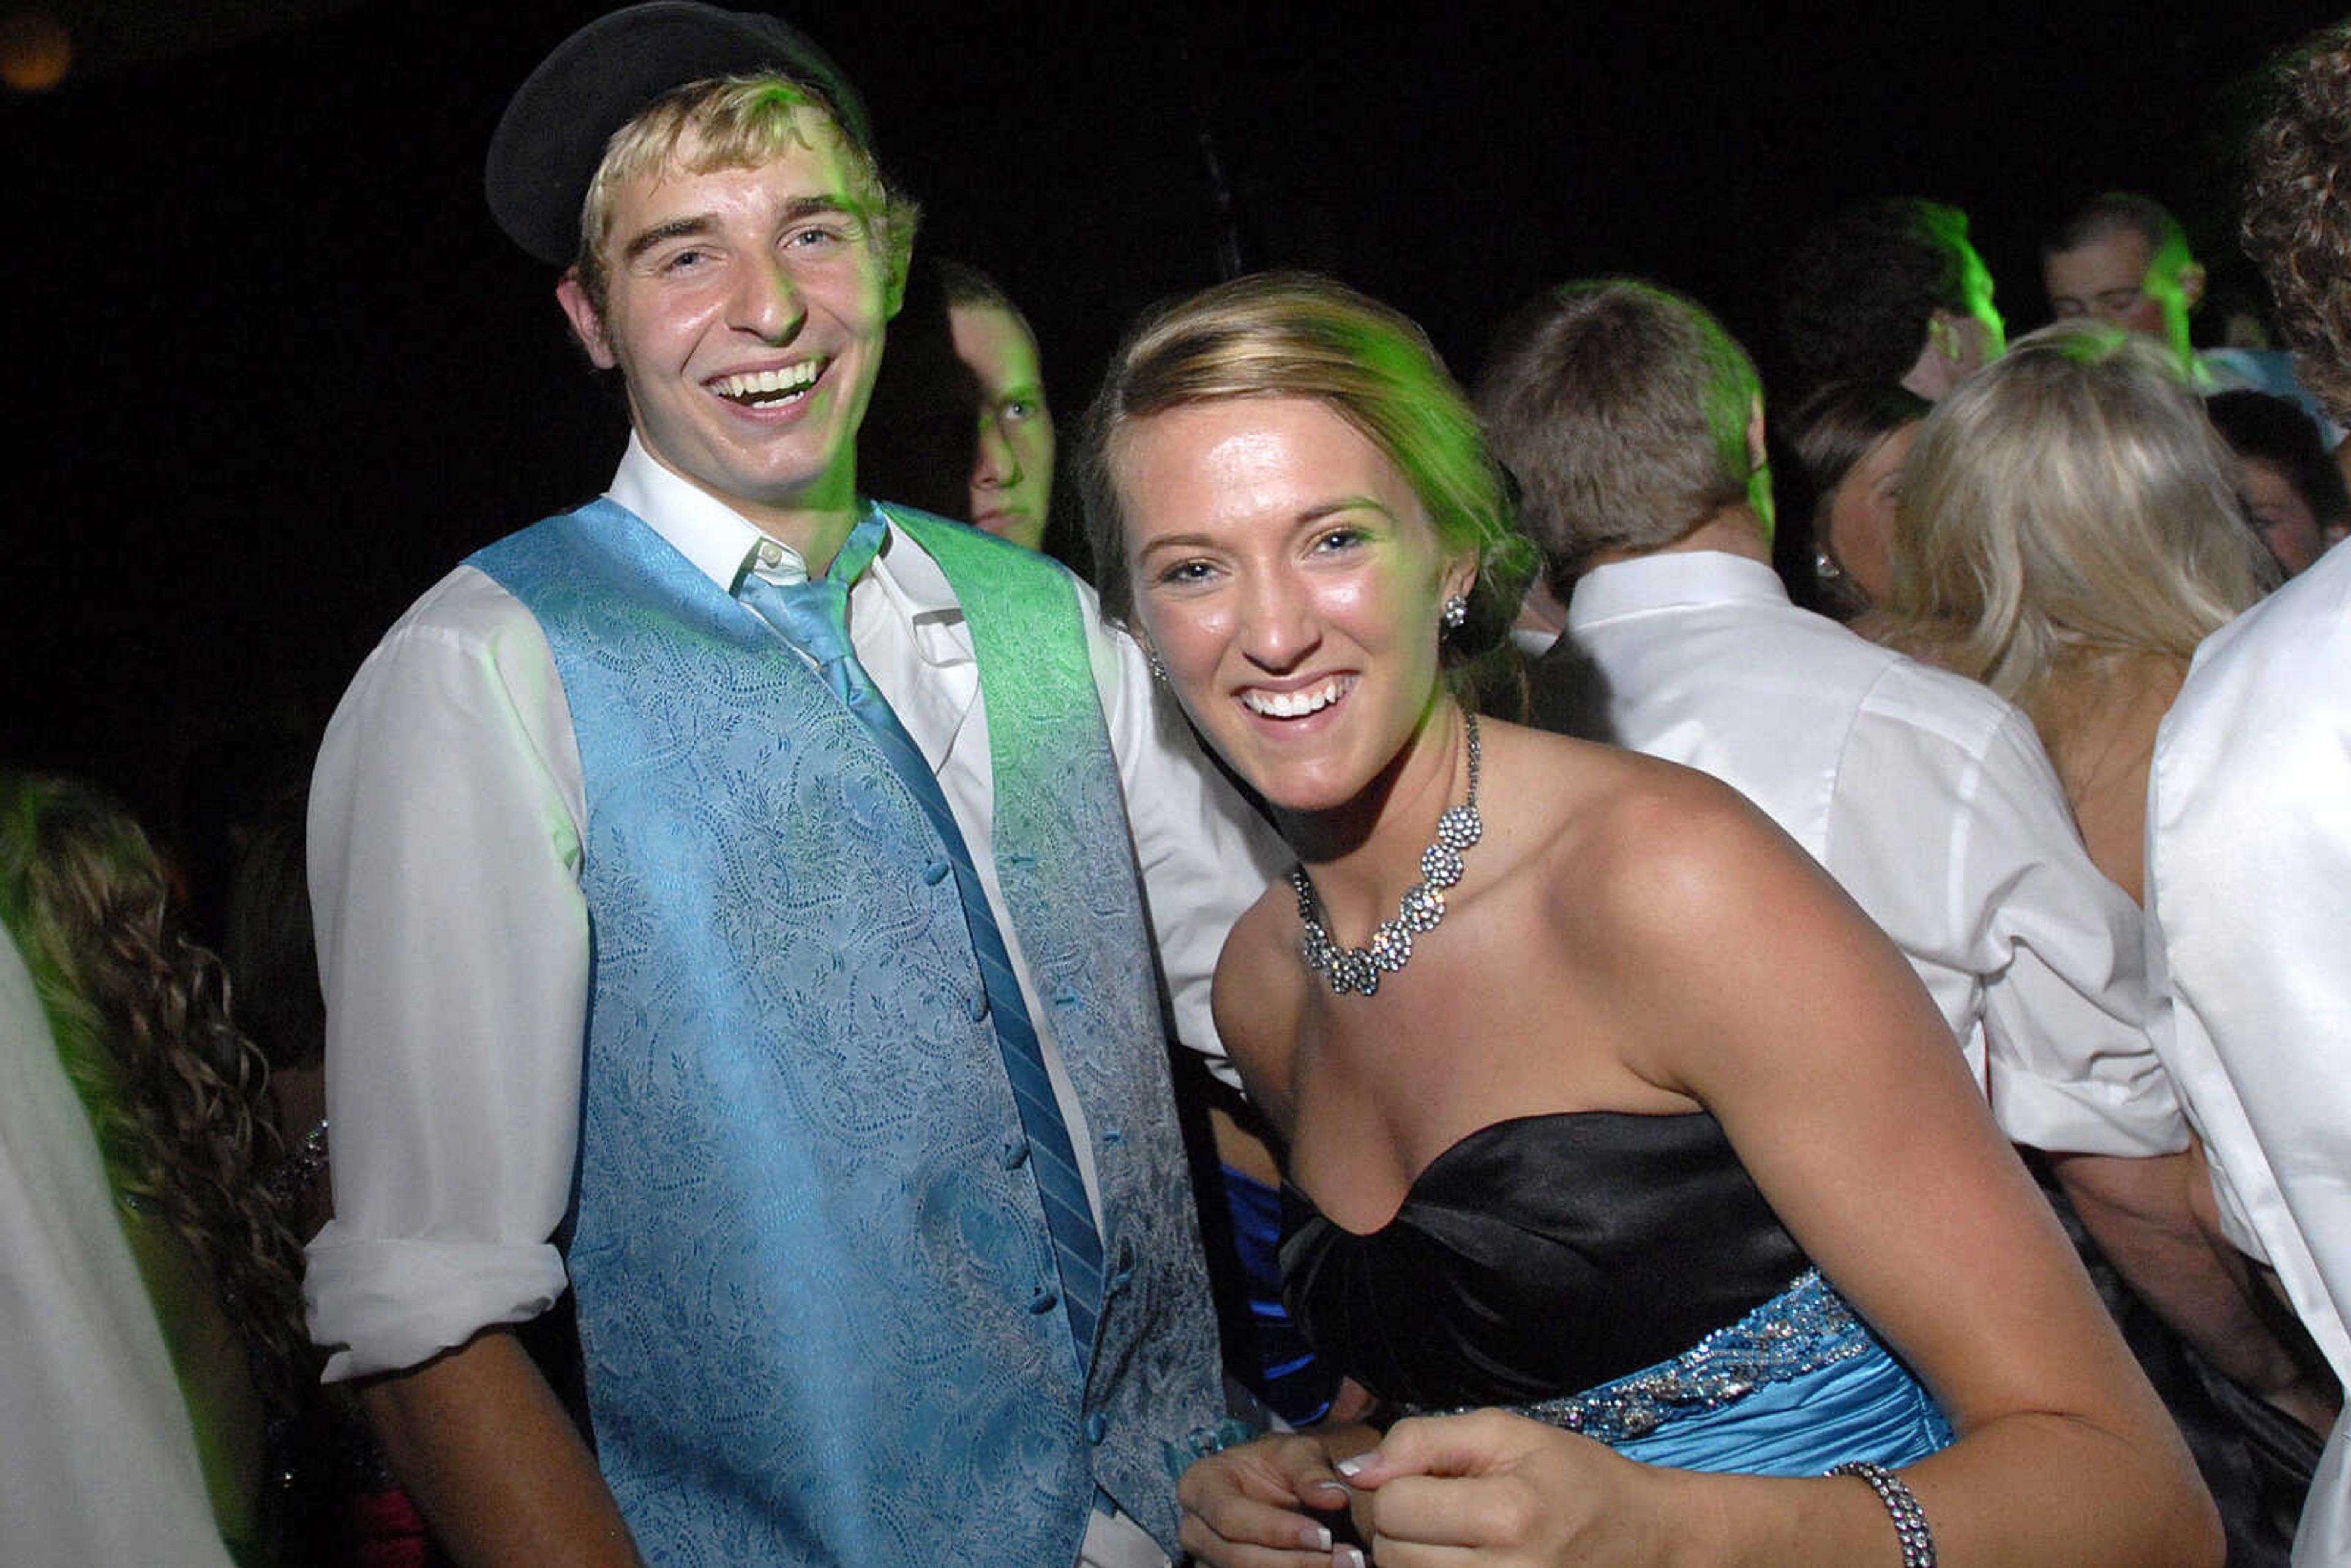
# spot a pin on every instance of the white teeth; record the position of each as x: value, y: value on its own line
x: 1298, y: 704
x: 773, y: 385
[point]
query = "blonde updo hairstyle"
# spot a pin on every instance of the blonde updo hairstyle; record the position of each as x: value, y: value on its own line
x: 1297, y: 335
x: 2070, y: 504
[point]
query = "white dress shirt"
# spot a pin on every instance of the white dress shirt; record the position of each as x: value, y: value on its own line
x: 97, y: 1459
x: 1927, y: 797
x: 446, y: 818
x: 2249, y: 891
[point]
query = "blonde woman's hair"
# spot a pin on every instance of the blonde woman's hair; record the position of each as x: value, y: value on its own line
x: 736, y: 123
x: 2069, y: 503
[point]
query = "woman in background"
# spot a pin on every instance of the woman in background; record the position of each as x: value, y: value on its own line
x: 177, y: 1098
x: 1835, y: 545
x: 2293, y: 492
x: 2069, y: 531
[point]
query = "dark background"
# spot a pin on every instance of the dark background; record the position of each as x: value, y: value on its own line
x: 274, y: 371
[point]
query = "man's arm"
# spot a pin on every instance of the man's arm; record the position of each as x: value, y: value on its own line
x: 452, y: 947
x: 2143, y: 1216
x: 2072, y: 1070
x: 493, y: 1463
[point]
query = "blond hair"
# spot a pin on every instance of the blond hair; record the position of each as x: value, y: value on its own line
x: 2068, y: 504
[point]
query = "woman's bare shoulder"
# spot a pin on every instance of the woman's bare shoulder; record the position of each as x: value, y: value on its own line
x: 1598, y: 816
x: 1648, y: 867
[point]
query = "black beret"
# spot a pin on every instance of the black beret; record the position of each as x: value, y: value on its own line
x: 552, y: 136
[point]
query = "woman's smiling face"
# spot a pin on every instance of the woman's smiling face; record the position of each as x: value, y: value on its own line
x: 1288, y: 576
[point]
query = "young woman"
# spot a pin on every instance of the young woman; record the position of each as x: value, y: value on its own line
x: 1851, y: 439
x: 1599, y: 1100
x: 2069, y: 530
x: 177, y: 1098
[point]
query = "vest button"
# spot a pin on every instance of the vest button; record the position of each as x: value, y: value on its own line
x: 1015, y: 1152
x: 938, y: 872
x: 978, y: 1006
x: 1044, y: 1300
x: 1097, y: 1428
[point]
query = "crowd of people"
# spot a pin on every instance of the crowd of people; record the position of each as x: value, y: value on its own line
x: 1547, y: 972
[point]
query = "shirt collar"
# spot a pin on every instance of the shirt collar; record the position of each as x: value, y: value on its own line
x: 1670, y: 580
x: 723, y: 544
x: 720, y: 541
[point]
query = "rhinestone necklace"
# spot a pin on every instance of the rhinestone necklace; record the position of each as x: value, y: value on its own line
x: 1418, y: 913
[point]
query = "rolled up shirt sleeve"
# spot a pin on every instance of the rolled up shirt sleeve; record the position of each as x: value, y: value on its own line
x: 444, y: 844
x: 2000, y: 897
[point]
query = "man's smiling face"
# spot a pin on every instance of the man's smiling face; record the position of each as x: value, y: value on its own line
x: 745, y: 308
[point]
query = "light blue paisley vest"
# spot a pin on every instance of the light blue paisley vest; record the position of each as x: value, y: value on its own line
x: 812, y: 1263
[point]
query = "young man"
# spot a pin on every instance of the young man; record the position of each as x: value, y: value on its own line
x: 2248, y: 816
x: 2124, y: 259
x: 730, y: 880
x: 1889, y: 290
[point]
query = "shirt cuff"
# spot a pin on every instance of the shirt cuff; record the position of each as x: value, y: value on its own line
x: 2134, y: 1120
x: 385, y: 1306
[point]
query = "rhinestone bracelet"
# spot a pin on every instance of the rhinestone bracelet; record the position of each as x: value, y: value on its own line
x: 1909, y: 1518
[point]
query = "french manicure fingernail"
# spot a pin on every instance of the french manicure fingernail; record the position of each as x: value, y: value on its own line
x: 1317, y: 1536
x: 1350, y: 1556
x: 1348, y: 1467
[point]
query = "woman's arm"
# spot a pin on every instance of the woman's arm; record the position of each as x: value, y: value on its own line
x: 1736, y: 973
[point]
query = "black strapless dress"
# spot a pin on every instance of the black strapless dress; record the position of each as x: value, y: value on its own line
x: 1618, y: 1275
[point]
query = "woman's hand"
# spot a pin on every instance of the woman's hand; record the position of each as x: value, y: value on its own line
x: 1254, y: 1506
x: 1507, y: 1490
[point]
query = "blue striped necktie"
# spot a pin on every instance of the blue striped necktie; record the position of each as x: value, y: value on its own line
x: 813, y: 616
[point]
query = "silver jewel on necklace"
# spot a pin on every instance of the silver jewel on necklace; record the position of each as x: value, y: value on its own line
x: 1417, y: 912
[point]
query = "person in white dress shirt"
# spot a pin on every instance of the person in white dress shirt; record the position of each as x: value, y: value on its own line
x: 2249, y: 819
x: 1634, y: 423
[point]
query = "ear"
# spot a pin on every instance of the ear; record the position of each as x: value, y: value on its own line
x: 2191, y: 284
x: 1462, y: 575
x: 1943, y: 335
x: 1759, y: 450
x: 585, y: 322
x: 894, y: 287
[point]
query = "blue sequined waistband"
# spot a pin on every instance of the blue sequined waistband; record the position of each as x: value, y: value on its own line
x: 1802, y: 1329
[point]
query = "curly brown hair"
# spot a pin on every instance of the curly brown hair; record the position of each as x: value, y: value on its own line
x: 175, y: 1094
x: 2297, y: 224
